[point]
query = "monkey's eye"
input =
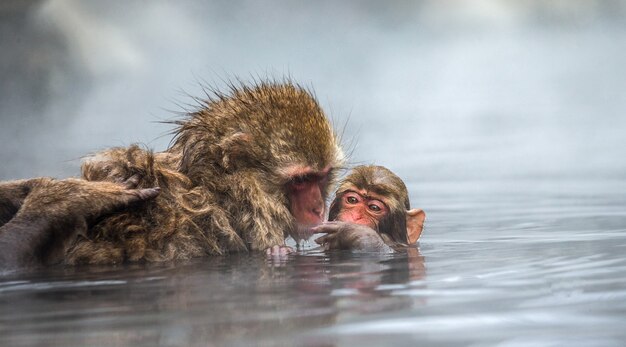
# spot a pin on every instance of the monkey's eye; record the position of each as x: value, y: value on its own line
x: 300, y: 180
x: 375, y: 208
x: 352, y: 200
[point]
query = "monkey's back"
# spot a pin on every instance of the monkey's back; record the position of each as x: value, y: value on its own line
x: 181, y: 223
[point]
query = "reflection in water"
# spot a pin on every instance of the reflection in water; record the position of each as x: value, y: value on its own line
x: 238, y: 299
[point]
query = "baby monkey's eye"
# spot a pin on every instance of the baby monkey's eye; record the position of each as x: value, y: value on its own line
x: 352, y: 200
x: 375, y: 208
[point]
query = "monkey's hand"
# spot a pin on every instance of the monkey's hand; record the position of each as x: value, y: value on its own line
x: 277, y: 251
x: 54, y: 211
x: 277, y: 255
x: 350, y: 236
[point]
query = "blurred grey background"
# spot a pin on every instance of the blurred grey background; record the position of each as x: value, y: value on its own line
x: 435, y: 90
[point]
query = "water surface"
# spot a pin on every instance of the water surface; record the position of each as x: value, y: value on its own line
x: 502, y: 263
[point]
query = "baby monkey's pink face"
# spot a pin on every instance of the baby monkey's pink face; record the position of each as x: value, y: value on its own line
x: 362, y: 207
x: 375, y: 197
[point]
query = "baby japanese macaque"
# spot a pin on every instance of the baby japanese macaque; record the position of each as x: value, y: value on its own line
x: 371, y: 212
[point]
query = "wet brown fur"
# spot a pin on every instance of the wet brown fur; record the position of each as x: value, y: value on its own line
x: 41, y: 217
x: 222, y: 179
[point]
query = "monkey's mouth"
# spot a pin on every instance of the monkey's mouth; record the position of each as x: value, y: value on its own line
x: 355, y: 218
x: 302, y: 232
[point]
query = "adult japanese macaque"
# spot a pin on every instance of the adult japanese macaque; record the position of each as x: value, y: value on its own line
x: 243, y: 170
x: 371, y: 212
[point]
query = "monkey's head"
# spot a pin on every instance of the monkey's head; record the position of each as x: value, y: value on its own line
x: 271, y: 139
x: 300, y: 150
x: 376, y: 197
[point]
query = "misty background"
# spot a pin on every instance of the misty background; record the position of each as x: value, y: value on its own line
x: 505, y: 118
x: 435, y: 90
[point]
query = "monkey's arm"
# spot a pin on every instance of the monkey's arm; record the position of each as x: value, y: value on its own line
x: 350, y: 236
x: 12, y: 195
x: 133, y: 166
x: 22, y: 242
x: 54, y: 212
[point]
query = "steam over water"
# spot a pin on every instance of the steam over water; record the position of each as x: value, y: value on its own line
x: 505, y: 118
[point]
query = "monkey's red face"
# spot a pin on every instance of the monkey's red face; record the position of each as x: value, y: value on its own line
x: 363, y: 208
x: 306, y: 191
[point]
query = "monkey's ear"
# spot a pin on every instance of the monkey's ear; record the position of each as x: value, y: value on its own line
x: 235, y: 147
x: 414, y: 224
